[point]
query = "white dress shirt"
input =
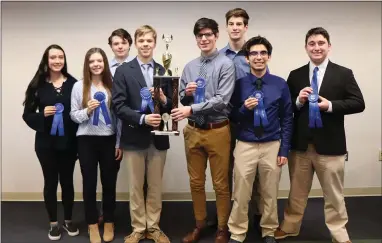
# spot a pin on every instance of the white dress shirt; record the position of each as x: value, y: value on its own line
x: 320, y: 75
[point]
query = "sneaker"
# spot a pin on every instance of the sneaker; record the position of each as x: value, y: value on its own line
x: 54, y: 232
x: 134, y: 237
x: 269, y: 239
x: 157, y: 236
x: 71, y: 229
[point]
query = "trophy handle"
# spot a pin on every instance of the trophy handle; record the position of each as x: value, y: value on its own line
x: 156, y: 85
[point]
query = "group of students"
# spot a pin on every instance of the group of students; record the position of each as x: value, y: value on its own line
x: 244, y: 120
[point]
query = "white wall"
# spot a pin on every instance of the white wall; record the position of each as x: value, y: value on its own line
x: 28, y: 28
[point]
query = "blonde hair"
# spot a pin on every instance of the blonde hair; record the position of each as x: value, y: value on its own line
x: 144, y: 29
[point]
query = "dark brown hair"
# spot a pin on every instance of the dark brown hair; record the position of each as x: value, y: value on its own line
x: 317, y: 31
x: 121, y: 33
x: 87, y: 79
x: 237, y: 12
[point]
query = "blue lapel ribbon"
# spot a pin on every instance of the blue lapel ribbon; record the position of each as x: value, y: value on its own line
x: 259, y: 112
x: 200, y: 90
x: 58, y: 123
x: 146, y: 100
x: 101, y: 97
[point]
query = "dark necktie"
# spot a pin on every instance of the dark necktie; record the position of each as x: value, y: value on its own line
x: 259, y: 130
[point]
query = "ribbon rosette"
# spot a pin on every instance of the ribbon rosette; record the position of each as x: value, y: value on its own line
x: 259, y: 112
x: 200, y: 90
x: 146, y: 100
x: 101, y: 97
x: 58, y: 123
x: 314, y: 111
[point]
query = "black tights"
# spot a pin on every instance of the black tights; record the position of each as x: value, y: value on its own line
x: 58, y: 166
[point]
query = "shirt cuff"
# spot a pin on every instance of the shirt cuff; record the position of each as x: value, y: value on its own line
x: 298, y: 104
x: 330, y: 108
x: 141, y: 121
x: 283, y: 152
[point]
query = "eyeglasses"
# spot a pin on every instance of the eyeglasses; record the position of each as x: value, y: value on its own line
x: 207, y: 35
x: 256, y: 53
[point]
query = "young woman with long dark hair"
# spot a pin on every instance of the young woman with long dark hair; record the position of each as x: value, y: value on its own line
x: 46, y: 110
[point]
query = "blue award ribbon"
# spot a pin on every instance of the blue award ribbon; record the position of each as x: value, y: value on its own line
x: 58, y: 123
x: 200, y: 91
x: 314, y: 111
x: 259, y: 112
x: 101, y: 97
x: 146, y: 100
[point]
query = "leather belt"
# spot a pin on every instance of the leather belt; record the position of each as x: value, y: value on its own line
x: 209, y: 126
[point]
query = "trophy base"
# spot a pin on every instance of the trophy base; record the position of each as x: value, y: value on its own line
x: 165, y: 133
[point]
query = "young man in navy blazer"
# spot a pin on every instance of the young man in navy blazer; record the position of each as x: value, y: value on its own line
x: 322, y: 94
x: 132, y: 82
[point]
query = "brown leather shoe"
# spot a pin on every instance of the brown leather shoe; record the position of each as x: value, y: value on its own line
x: 222, y: 235
x: 279, y: 234
x: 197, y: 233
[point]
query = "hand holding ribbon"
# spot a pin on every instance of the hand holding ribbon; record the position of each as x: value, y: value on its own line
x: 101, y: 97
x: 58, y: 123
x: 199, y: 95
x: 259, y: 112
x: 314, y: 111
x: 146, y: 100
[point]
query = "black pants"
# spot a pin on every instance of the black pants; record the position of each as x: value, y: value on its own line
x: 58, y: 166
x: 93, y: 150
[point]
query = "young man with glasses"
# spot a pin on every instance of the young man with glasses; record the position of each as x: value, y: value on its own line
x: 206, y: 87
x: 262, y: 109
x: 237, y: 26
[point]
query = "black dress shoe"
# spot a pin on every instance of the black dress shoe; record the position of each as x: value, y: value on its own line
x: 269, y: 239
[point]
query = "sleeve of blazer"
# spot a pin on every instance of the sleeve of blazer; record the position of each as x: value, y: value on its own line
x: 120, y: 99
x: 293, y: 91
x: 353, y: 101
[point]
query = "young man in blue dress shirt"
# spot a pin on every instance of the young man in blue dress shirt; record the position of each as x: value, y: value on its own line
x: 237, y: 26
x: 262, y: 110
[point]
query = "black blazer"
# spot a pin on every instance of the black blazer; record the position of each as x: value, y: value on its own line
x: 46, y: 95
x: 126, y: 102
x: 338, y: 86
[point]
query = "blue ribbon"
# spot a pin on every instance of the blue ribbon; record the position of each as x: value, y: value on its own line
x: 101, y: 97
x: 314, y: 111
x: 146, y: 100
x: 58, y: 123
x: 259, y: 112
x: 200, y: 91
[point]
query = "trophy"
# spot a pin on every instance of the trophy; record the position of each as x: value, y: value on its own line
x: 170, y: 82
x: 166, y: 56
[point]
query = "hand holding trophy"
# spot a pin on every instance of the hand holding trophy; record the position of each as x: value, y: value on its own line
x: 167, y: 80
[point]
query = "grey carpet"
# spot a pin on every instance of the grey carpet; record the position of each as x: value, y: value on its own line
x: 27, y: 222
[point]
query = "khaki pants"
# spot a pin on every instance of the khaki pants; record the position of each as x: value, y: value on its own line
x: 250, y: 157
x: 213, y: 145
x: 330, y: 173
x: 145, y: 215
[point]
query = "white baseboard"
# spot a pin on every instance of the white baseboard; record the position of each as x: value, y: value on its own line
x: 182, y: 196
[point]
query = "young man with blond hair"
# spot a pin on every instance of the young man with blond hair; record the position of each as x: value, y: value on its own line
x: 132, y: 83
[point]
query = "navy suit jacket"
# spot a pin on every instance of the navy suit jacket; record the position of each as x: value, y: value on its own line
x: 126, y: 103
